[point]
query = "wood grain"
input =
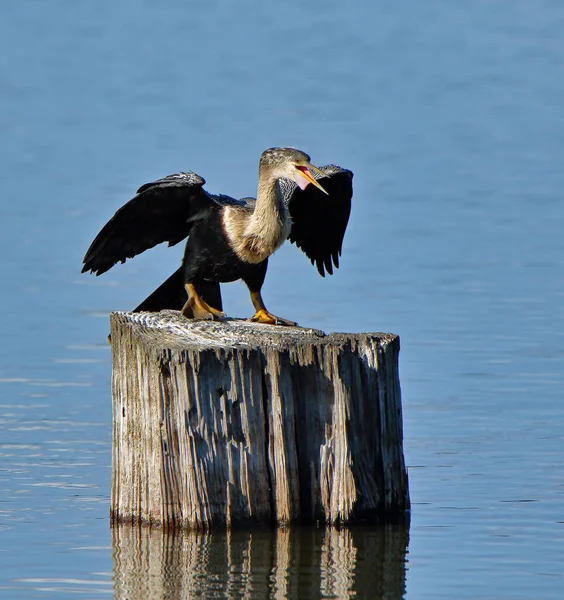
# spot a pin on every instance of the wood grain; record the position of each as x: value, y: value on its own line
x: 231, y: 423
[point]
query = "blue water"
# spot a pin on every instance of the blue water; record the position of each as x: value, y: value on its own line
x: 451, y: 117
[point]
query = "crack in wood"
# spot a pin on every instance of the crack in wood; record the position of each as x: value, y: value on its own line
x: 230, y: 423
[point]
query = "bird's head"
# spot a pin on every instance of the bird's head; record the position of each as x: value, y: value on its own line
x: 292, y: 164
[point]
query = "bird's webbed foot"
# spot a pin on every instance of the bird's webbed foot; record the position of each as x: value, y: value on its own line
x: 201, y: 310
x: 197, y: 308
x: 263, y: 316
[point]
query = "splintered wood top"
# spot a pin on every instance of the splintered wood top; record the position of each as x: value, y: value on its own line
x: 170, y: 329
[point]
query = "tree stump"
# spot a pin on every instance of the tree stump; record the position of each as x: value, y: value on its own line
x: 225, y: 423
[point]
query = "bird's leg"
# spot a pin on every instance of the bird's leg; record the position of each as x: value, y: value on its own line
x: 262, y: 315
x: 197, y: 308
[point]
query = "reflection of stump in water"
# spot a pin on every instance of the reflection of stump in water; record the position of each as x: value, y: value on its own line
x: 227, y: 423
x: 284, y: 563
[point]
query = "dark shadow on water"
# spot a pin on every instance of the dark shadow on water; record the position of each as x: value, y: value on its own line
x: 298, y: 562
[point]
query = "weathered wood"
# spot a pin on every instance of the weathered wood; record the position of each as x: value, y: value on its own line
x: 236, y: 422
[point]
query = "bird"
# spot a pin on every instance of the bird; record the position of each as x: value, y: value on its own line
x: 229, y: 239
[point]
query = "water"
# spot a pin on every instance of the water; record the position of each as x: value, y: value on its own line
x: 450, y: 115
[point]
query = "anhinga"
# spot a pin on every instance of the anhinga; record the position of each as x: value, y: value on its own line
x: 229, y: 239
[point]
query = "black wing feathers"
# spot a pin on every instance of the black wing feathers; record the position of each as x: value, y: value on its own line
x: 320, y: 220
x: 162, y: 211
x: 177, y: 180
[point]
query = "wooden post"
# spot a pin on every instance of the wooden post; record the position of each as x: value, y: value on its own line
x: 240, y: 423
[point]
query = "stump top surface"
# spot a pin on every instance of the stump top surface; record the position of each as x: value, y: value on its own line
x: 170, y: 329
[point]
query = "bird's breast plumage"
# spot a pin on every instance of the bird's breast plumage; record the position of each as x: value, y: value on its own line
x: 251, y: 238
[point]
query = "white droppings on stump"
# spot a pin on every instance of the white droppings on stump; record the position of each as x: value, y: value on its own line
x: 240, y: 423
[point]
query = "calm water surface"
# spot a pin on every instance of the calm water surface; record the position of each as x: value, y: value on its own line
x: 451, y: 116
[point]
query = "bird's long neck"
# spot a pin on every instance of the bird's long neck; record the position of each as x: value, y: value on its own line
x: 255, y: 236
x: 270, y: 205
x: 270, y: 220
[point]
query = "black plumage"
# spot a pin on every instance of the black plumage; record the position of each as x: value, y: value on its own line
x: 176, y: 207
x: 319, y: 221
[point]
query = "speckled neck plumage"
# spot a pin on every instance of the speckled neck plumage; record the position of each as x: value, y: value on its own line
x: 255, y: 235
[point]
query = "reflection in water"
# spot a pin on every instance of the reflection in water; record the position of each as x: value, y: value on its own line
x: 338, y: 562
x: 283, y: 563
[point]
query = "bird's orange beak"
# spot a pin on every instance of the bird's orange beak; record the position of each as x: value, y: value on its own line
x: 305, y: 171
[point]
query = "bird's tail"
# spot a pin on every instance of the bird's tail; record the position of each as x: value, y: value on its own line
x: 172, y: 295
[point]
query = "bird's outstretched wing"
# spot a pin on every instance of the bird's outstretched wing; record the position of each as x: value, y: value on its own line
x: 162, y: 211
x: 319, y: 220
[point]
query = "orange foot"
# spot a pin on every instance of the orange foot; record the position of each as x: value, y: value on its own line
x: 263, y: 316
x: 196, y: 308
